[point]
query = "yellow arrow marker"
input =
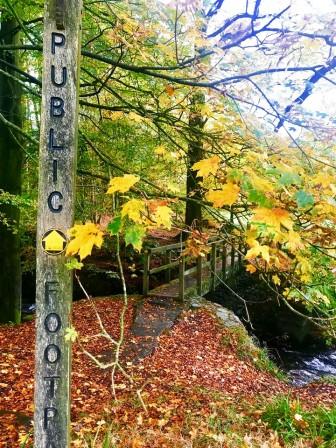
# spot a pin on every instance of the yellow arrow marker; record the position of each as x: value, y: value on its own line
x: 54, y: 242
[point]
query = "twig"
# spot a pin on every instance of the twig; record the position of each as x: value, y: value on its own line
x: 115, y: 364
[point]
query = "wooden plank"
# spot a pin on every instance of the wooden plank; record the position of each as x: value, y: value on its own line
x: 57, y: 168
x: 168, y: 262
x: 190, y: 270
x: 164, y: 267
x: 162, y: 249
x: 212, y: 263
x: 181, y: 246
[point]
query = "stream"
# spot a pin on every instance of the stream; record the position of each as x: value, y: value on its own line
x: 291, y: 342
x: 304, y: 368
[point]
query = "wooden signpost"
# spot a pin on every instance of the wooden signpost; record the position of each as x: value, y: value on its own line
x: 57, y: 168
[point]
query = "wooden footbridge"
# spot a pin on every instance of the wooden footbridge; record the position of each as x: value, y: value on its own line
x: 187, y: 276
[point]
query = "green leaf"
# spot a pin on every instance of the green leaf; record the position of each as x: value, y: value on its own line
x: 290, y: 179
x: 272, y: 171
x: 246, y: 184
x: 70, y: 334
x: 235, y: 175
x: 134, y: 235
x: 258, y: 197
x: 107, y: 441
x: 304, y: 199
x: 114, y: 226
x: 73, y: 263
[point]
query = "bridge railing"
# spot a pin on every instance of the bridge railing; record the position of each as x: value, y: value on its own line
x: 222, y: 256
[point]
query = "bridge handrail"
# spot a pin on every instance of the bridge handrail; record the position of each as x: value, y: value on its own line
x: 180, y: 245
x: 181, y: 263
x: 160, y: 249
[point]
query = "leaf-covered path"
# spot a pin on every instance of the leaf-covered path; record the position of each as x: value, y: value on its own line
x: 181, y: 382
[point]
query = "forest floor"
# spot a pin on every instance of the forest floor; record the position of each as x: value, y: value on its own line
x: 199, y: 387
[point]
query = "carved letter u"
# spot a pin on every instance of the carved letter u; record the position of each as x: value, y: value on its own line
x: 53, y: 77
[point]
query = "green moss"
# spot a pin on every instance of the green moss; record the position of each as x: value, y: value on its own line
x: 247, y: 350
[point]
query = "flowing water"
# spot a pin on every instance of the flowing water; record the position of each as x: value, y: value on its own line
x: 304, y: 368
x: 303, y: 358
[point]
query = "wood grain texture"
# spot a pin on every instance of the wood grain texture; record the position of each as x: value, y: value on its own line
x: 57, y: 169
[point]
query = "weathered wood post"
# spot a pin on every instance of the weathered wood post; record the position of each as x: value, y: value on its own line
x: 240, y: 252
x: 233, y: 252
x: 233, y: 258
x: 224, y: 254
x: 168, y: 260
x: 213, y: 262
x: 145, y: 279
x: 199, y: 266
x: 181, y: 277
x: 57, y: 168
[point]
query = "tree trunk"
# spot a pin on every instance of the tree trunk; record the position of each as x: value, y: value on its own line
x: 10, y: 181
x: 193, y: 216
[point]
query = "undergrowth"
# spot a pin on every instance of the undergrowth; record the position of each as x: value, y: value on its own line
x: 247, y: 350
x: 292, y: 422
x: 222, y: 423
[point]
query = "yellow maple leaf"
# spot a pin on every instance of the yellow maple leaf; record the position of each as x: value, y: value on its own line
x: 276, y: 280
x: 258, y: 182
x: 123, y: 183
x: 24, y: 438
x: 163, y: 217
x: 324, y: 179
x: 206, y: 166
x: 133, y: 209
x: 274, y: 217
x: 116, y: 115
x: 294, y: 241
x: 257, y: 250
x: 165, y: 101
x: 135, y: 117
x: 326, y: 209
x: 206, y: 110
x: 304, y: 268
x: 84, y: 237
x: 250, y: 268
x: 160, y: 150
x: 251, y: 235
x: 226, y: 196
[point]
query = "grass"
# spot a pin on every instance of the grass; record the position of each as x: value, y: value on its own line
x: 263, y: 362
x: 247, y: 350
x: 328, y: 379
x: 101, y: 439
x: 214, y: 420
x: 227, y: 426
x: 292, y: 422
